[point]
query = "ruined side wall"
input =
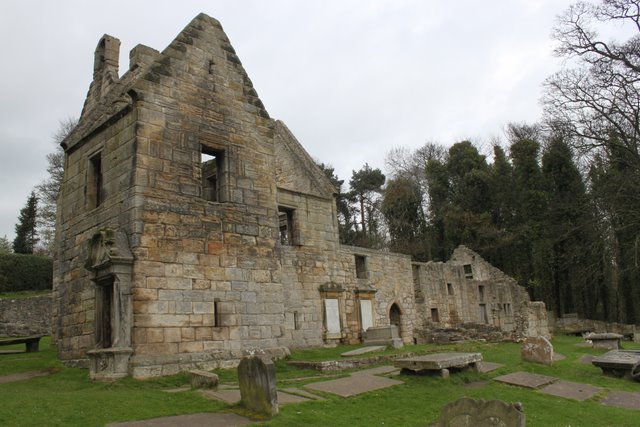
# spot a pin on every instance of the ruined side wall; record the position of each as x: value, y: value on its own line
x: 73, y: 291
x: 466, y: 290
x: 25, y: 316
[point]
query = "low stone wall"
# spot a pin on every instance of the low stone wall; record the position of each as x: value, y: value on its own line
x: 25, y: 316
x: 572, y: 324
x: 464, y: 332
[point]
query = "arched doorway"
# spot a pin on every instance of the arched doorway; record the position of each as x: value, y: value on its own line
x: 395, y: 315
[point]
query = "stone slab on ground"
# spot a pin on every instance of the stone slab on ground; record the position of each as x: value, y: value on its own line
x: 558, y: 357
x: 571, y: 390
x: 353, y: 385
x: 232, y: 397
x: 228, y: 396
x: 439, y: 361
x: 212, y: 419
x: 178, y: 390
x: 474, y: 384
x: 586, y: 359
x: 484, y: 367
x: 364, y: 350
x: 23, y: 376
x: 303, y: 393
x: 622, y: 399
x: 526, y: 379
x: 380, y: 370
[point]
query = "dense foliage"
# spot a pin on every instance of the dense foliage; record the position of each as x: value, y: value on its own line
x: 558, y: 205
x: 25, y: 272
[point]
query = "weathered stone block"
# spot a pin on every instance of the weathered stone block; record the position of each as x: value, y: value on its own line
x: 257, y: 378
x: 203, y: 379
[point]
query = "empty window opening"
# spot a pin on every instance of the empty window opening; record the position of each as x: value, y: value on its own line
x: 434, y: 315
x: 212, y: 165
x: 481, y: 292
x: 483, y: 314
x: 104, y: 314
x: 217, y: 313
x: 416, y: 274
x: 95, y: 192
x: 507, y: 309
x: 297, y: 321
x: 468, y: 271
x: 286, y: 224
x: 449, y: 289
x: 211, y: 67
x: 361, y: 266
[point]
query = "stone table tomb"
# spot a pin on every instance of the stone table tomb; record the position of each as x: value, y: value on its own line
x: 619, y: 363
x: 440, y: 363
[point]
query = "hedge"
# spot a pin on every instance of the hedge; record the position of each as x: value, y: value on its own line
x: 25, y: 272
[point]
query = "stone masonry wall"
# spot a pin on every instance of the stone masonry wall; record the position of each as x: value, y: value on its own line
x: 25, y: 316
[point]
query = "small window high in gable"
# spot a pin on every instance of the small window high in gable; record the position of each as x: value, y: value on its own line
x: 94, y: 190
x: 361, y: 266
x: 212, y: 165
x: 287, y: 226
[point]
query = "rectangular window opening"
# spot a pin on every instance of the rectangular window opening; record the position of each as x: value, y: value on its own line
x: 468, y: 271
x: 361, y: 266
x: 297, y: 321
x: 483, y: 314
x: 217, y: 313
x: 481, y: 292
x: 286, y: 226
x: 449, y: 289
x: 435, y: 317
x: 212, y: 166
x: 95, y: 192
x: 507, y: 309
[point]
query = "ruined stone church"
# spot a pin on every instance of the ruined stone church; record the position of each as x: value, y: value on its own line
x: 193, y: 227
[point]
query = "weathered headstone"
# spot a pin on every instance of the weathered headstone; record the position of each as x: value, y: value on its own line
x: 382, y: 335
x: 257, y: 378
x: 538, y: 350
x: 471, y: 412
x: 618, y: 363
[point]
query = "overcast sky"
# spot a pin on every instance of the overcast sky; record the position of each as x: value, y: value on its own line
x: 351, y: 79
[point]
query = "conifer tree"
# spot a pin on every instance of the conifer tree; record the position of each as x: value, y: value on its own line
x: 26, y: 233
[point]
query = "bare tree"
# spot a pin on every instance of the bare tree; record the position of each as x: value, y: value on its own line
x: 596, y: 97
x: 49, y: 188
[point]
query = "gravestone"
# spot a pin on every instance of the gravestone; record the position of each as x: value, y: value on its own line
x: 538, y: 350
x: 382, y: 335
x: 203, y: 379
x: 257, y: 378
x: 471, y: 412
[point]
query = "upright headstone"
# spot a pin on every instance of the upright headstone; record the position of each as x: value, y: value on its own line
x: 257, y: 378
x: 470, y: 412
x: 538, y: 350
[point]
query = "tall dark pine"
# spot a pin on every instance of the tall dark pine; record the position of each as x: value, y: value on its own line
x: 26, y: 234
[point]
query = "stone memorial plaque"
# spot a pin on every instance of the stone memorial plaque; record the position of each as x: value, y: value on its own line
x: 366, y: 314
x: 332, y: 312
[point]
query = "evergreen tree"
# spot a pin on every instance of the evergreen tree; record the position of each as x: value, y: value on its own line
x: 5, y: 246
x: 366, y: 187
x: 26, y: 233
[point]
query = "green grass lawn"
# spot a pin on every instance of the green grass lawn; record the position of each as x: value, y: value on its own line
x: 68, y: 398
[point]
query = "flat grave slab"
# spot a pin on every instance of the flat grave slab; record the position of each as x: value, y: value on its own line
x: 571, y: 390
x: 484, y: 367
x: 380, y: 370
x: 303, y: 393
x: 586, y: 359
x: 23, y: 376
x: 353, y: 385
x: 617, y: 363
x: 440, y: 362
x: 364, y: 350
x: 233, y: 396
x: 558, y: 357
x: 622, y: 399
x: 208, y: 419
x: 525, y: 379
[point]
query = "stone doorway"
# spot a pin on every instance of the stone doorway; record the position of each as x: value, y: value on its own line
x: 395, y: 316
